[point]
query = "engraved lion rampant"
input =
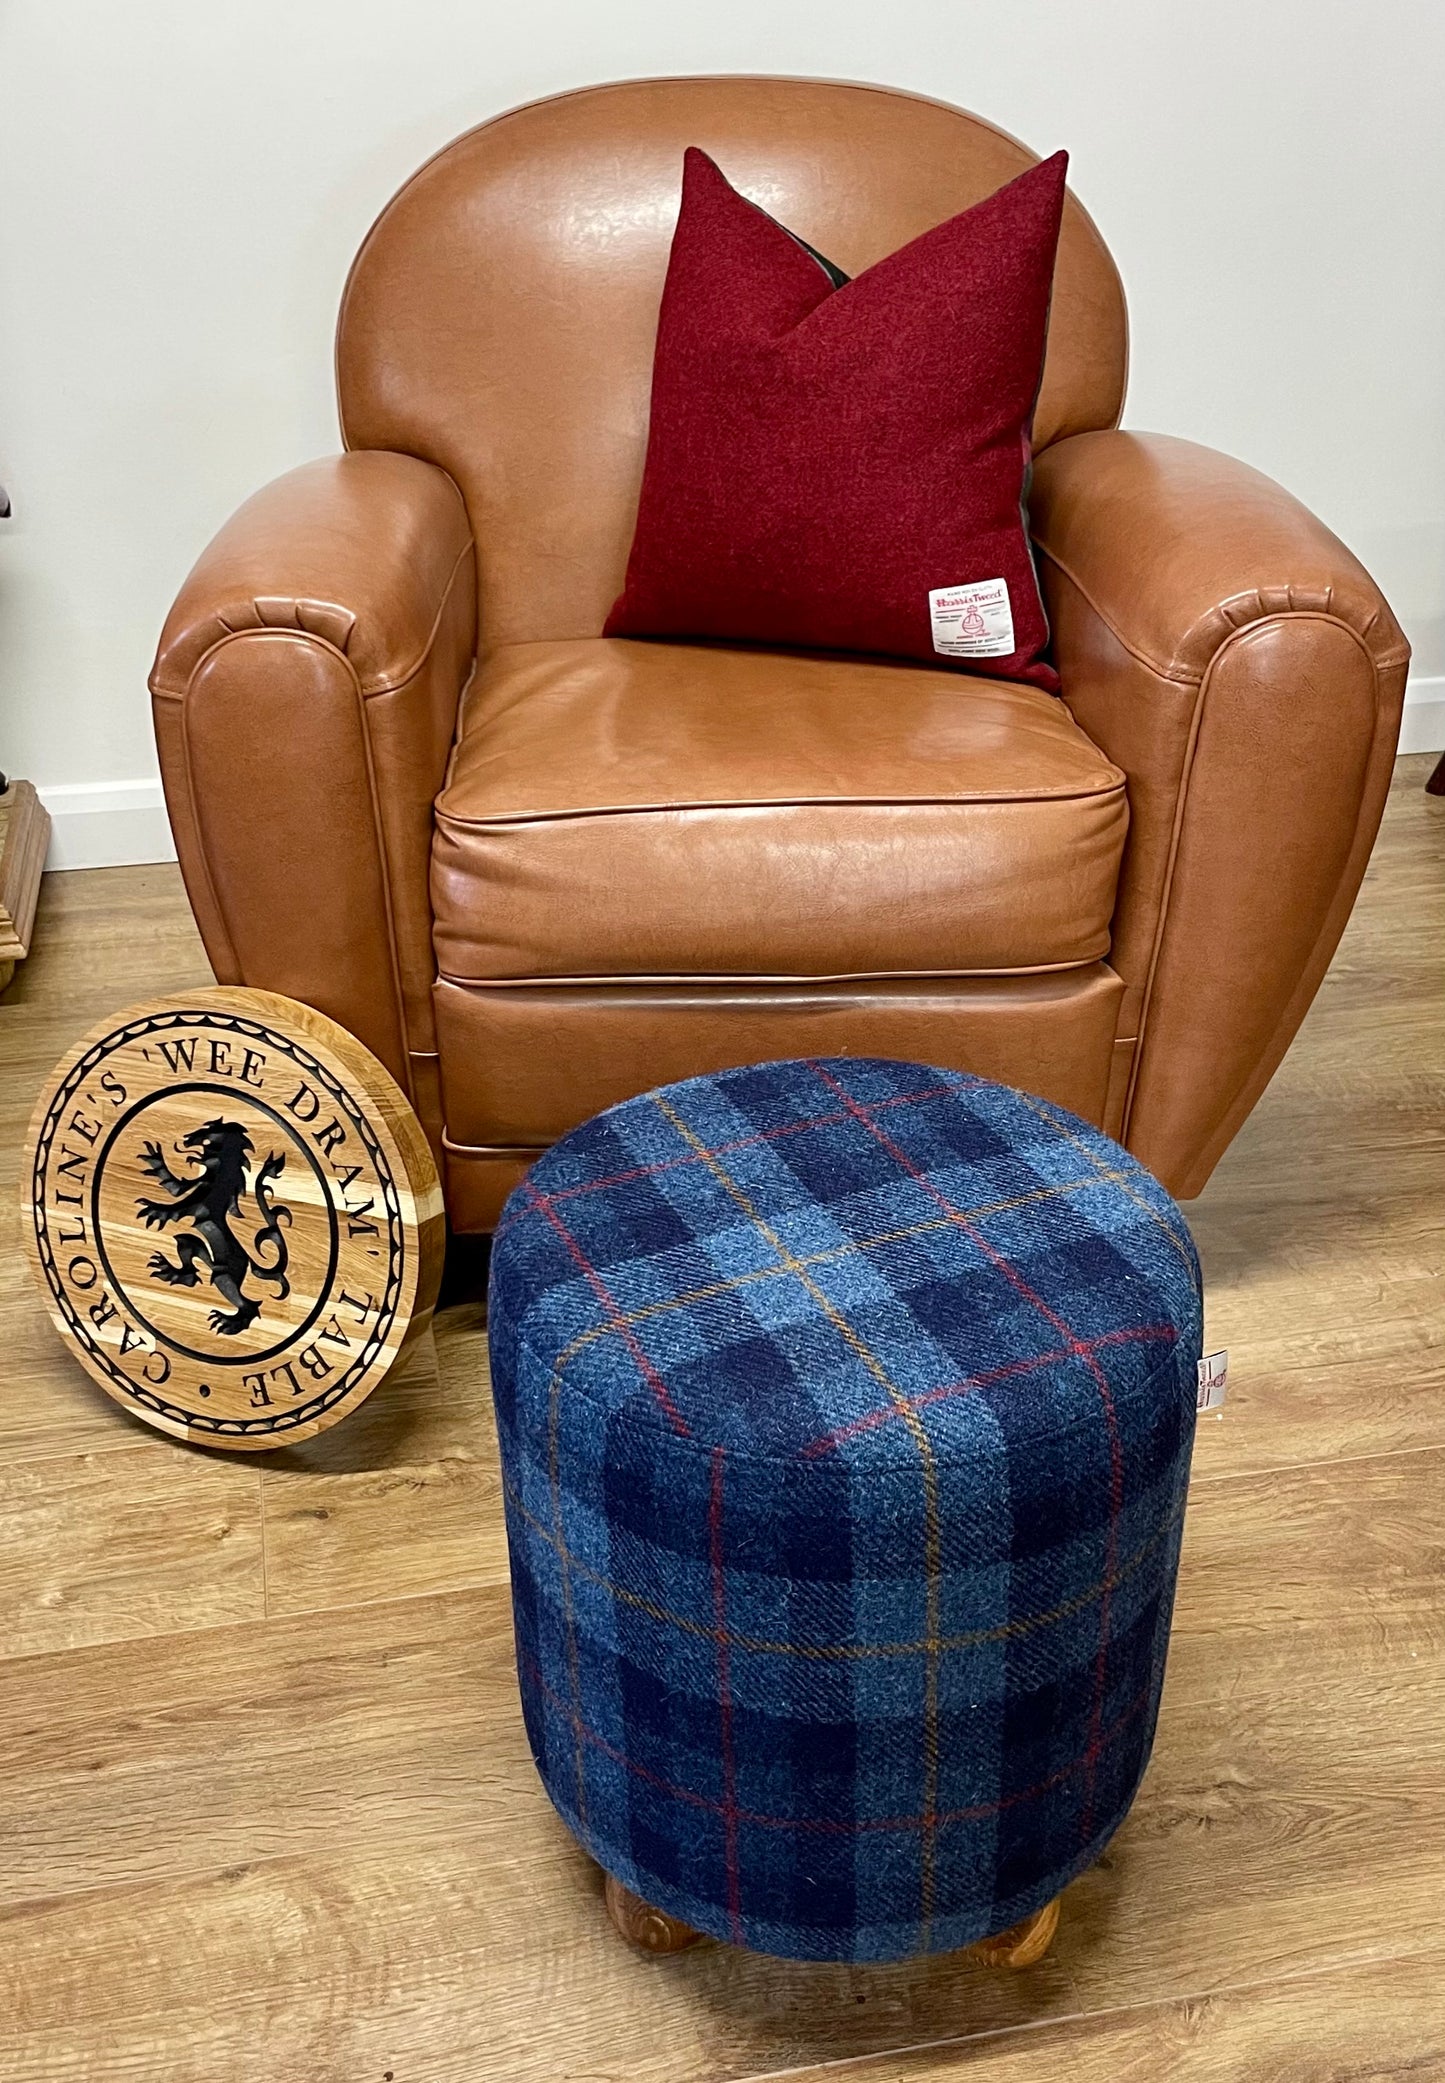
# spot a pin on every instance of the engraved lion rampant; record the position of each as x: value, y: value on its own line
x: 207, y: 1200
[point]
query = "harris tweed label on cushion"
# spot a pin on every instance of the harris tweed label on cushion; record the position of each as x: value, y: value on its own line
x: 845, y: 1411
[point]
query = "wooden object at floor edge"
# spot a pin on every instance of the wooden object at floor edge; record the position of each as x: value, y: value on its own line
x: 24, y: 837
x: 652, y: 1930
x: 233, y: 1216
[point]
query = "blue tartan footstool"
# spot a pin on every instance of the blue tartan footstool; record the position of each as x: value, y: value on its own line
x: 845, y: 1411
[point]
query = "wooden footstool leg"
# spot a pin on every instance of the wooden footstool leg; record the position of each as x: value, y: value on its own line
x: 1023, y: 1943
x: 650, y: 1928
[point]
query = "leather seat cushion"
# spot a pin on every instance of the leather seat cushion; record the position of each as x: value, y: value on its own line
x: 624, y: 809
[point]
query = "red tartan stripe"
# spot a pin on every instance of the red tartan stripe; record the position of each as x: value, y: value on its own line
x: 1009, y: 1371
x: 828, y: 1825
x: 619, y: 1322
x: 725, y: 1698
x: 1111, y: 1557
x: 1116, y: 1466
x: 956, y: 1214
x: 767, y: 1135
x: 932, y: 1530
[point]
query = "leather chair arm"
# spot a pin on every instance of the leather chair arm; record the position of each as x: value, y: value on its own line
x: 305, y: 698
x: 1177, y: 546
x: 1241, y: 666
x: 362, y: 551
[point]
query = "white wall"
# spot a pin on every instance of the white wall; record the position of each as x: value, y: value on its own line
x: 184, y: 182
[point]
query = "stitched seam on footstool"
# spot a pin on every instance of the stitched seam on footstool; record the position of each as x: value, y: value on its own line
x: 621, y: 1419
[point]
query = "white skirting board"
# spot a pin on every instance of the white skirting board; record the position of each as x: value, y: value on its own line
x: 118, y: 824
x: 1422, y: 728
x: 107, y: 824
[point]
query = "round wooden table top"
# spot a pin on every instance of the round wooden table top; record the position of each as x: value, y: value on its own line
x: 233, y: 1214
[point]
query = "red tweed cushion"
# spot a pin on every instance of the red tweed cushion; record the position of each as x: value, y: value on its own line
x: 845, y: 464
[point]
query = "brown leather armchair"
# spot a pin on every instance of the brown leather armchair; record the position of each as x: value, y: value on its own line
x: 575, y: 868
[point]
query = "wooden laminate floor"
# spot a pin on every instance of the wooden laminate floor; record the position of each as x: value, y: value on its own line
x: 266, y: 1810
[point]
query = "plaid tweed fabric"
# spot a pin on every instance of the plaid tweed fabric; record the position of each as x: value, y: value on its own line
x: 845, y: 1410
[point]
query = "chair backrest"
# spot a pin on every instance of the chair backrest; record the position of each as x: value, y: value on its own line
x: 499, y: 319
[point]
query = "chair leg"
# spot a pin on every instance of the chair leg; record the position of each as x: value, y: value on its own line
x: 1435, y: 786
x: 1024, y: 1943
x: 651, y: 1929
